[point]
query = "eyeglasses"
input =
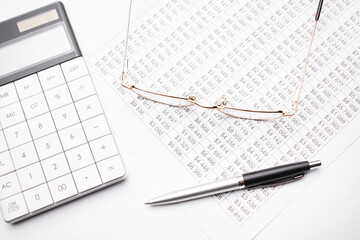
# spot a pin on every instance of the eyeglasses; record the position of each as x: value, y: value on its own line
x: 223, y: 105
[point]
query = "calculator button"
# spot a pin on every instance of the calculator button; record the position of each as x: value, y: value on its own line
x: 51, y: 77
x: 81, y: 88
x: 89, y: 107
x: 17, y: 135
x: 9, y: 185
x: 28, y: 86
x: 62, y: 188
x: 72, y: 136
x: 3, y: 144
x: 74, y: 69
x: 41, y: 125
x: 24, y: 155
x: 8, y: 94
x: 65, y: 116
x: 13, y: 207
x: 87, y: 178
x: 96, y: 127
x: 31, y: 176
x: 58, y: 97
x: 35, y: 105
x: 6, y: 164
x: 48, y: 146
x: 103, y: 148
x: 11, y: 114
x: 55, y: 166
x: 111, y: 168
x: 38, y: 197
x: 79, y: 157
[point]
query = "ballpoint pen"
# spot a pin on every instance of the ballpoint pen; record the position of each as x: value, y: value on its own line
x: 262, y: 178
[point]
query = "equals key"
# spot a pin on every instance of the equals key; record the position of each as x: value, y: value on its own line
x: 111, y: 169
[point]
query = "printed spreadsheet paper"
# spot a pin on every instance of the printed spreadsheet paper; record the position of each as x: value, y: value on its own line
x: 250, y: 53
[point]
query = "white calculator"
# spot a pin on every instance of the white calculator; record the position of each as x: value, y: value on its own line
x: 55, y: 141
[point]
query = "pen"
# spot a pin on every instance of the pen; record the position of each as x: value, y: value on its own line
x: 262, y: 178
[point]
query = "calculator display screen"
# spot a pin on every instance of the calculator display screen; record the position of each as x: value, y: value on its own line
x: 33, y: 49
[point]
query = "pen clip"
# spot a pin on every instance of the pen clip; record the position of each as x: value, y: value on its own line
x: 281, y: 182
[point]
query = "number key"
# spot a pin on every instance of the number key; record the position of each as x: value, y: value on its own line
x: 41, y: 125
x: 62, y: 188
x: 24, y: 155
x: 17, y: 135
x: 55, y: 166
x: 38, y: 197
x: 65, y: 116
x: 79, y: 157
x: 31, y: 176
x: 72, y: 136
x: 48, y: 146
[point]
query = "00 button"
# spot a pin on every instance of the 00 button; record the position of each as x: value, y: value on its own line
x: 62, y: 188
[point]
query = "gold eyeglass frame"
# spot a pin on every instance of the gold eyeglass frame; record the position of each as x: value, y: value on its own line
x: 191, y: 100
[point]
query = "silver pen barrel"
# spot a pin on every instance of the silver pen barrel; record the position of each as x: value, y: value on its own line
x: 204, y: 190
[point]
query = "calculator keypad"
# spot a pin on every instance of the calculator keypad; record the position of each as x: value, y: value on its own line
x: 38, y: 197
x: 24, y: 155
x: 8, y: 95
x: 6, y: 165
x: 55, y: 142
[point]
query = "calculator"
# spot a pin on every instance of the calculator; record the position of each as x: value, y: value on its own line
x: 55, y: 141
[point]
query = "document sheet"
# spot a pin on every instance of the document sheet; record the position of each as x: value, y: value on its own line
x: 251, y: 54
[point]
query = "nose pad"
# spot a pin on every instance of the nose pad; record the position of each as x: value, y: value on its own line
x: 192, y: 98
x: 221, y: 103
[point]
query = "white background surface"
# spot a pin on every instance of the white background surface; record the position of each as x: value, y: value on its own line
x: 328, y: 209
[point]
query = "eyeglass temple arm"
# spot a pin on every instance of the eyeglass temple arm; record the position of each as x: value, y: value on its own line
x: 295, y: 100
x: 126, y: 61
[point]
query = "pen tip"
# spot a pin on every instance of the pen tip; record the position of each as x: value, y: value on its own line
x: 147, y: 203
x: 316, y: 163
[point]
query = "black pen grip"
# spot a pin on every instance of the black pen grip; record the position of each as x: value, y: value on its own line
x: 274, y: 174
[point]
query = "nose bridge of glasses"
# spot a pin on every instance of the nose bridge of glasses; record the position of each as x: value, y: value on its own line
x: 193, y: 100
x: 207, y: 107
x: 220, y: 105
